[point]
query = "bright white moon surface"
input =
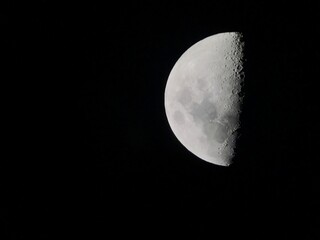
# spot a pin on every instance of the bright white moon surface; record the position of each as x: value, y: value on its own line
x: 203, y: 97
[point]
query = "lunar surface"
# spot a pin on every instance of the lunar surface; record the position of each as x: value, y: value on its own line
x: 203, y: 97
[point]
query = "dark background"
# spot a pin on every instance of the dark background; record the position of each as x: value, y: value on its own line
x: 91, y: 154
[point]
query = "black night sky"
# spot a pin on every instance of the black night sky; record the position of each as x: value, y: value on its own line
x: 91, y: 153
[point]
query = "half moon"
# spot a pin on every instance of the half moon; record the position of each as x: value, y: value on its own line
x: 203, y: 97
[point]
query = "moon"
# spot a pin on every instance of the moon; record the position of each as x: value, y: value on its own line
x: 203, y: 97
